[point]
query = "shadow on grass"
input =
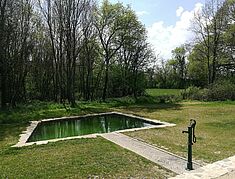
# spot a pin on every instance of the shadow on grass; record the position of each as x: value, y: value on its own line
x: 24, y: 115
x: 43, y: 110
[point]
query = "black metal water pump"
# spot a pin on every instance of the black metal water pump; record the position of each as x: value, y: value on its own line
x: 191, y: 140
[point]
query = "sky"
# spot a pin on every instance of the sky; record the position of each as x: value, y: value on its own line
x: 167, y: 21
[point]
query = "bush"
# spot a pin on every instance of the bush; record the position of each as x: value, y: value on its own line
x: 220, y: 91
x: 158, y: 99
x: 191, y: 93
x: 123, y: 101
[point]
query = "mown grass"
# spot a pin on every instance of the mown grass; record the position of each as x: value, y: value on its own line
x: 162, y: 92
x: 214, y: 130
x: 42, y: 110
x: 85, y: 158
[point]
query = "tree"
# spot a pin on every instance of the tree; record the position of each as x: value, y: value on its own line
x: 133, y: 56
x: 63, y: 50
x: 111, y: 21
x: 179, y: 55
x: 89, y: 56
x: 197, y: 67
x: 227, y: 64
x: 3, y: 11
x: 65, y: 22
x: 15, y: 39
x: 208, y: 26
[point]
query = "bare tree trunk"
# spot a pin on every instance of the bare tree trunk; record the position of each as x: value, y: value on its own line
x: 2, y: 60
x: 106, y: 80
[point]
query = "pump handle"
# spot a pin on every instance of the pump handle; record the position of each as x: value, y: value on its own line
x: 193, y: 124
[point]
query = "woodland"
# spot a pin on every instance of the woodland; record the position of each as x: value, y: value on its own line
x: 70, y: 50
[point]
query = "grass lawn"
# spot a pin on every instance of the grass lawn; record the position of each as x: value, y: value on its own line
x: 214, y: 130
x: 162, y: 92
x: 85, y: 158
x: 82, y: 158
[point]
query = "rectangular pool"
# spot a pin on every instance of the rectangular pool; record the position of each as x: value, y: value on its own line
x: 80, y: 126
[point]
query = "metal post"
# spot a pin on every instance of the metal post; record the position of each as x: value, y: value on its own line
x: 191, y: 140
x: 190, y: 143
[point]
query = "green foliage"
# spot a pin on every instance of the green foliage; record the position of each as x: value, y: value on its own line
x: 197, y: 67
x: 220, y: 91
x: 106, y: 58
x: 191, y: 92
x: 124, y: 101
x: 164, y: 95
x: 125, y: 50
x: 124, y: 83
x: 37, y: 110
x: 179, y: 55
x: 171, y: 74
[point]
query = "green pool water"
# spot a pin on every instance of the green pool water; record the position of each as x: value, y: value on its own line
x: 85, y: 125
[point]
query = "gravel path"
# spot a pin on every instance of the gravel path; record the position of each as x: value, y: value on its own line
x: 167, y: 160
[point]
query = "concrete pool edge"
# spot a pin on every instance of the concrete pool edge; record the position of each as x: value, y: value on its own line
x: 33, y: 125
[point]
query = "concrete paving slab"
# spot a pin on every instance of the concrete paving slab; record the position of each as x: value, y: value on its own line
x: 163, y: 158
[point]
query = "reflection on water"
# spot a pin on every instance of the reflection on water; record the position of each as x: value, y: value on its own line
x: 84, y: 126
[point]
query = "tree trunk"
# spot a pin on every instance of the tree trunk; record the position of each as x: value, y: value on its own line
x: 106, y: 80
x: 3, y: 90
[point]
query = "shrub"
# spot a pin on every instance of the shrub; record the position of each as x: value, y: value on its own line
x: 191, y: 92
x: 220, y: 91
x: 123, y: 101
